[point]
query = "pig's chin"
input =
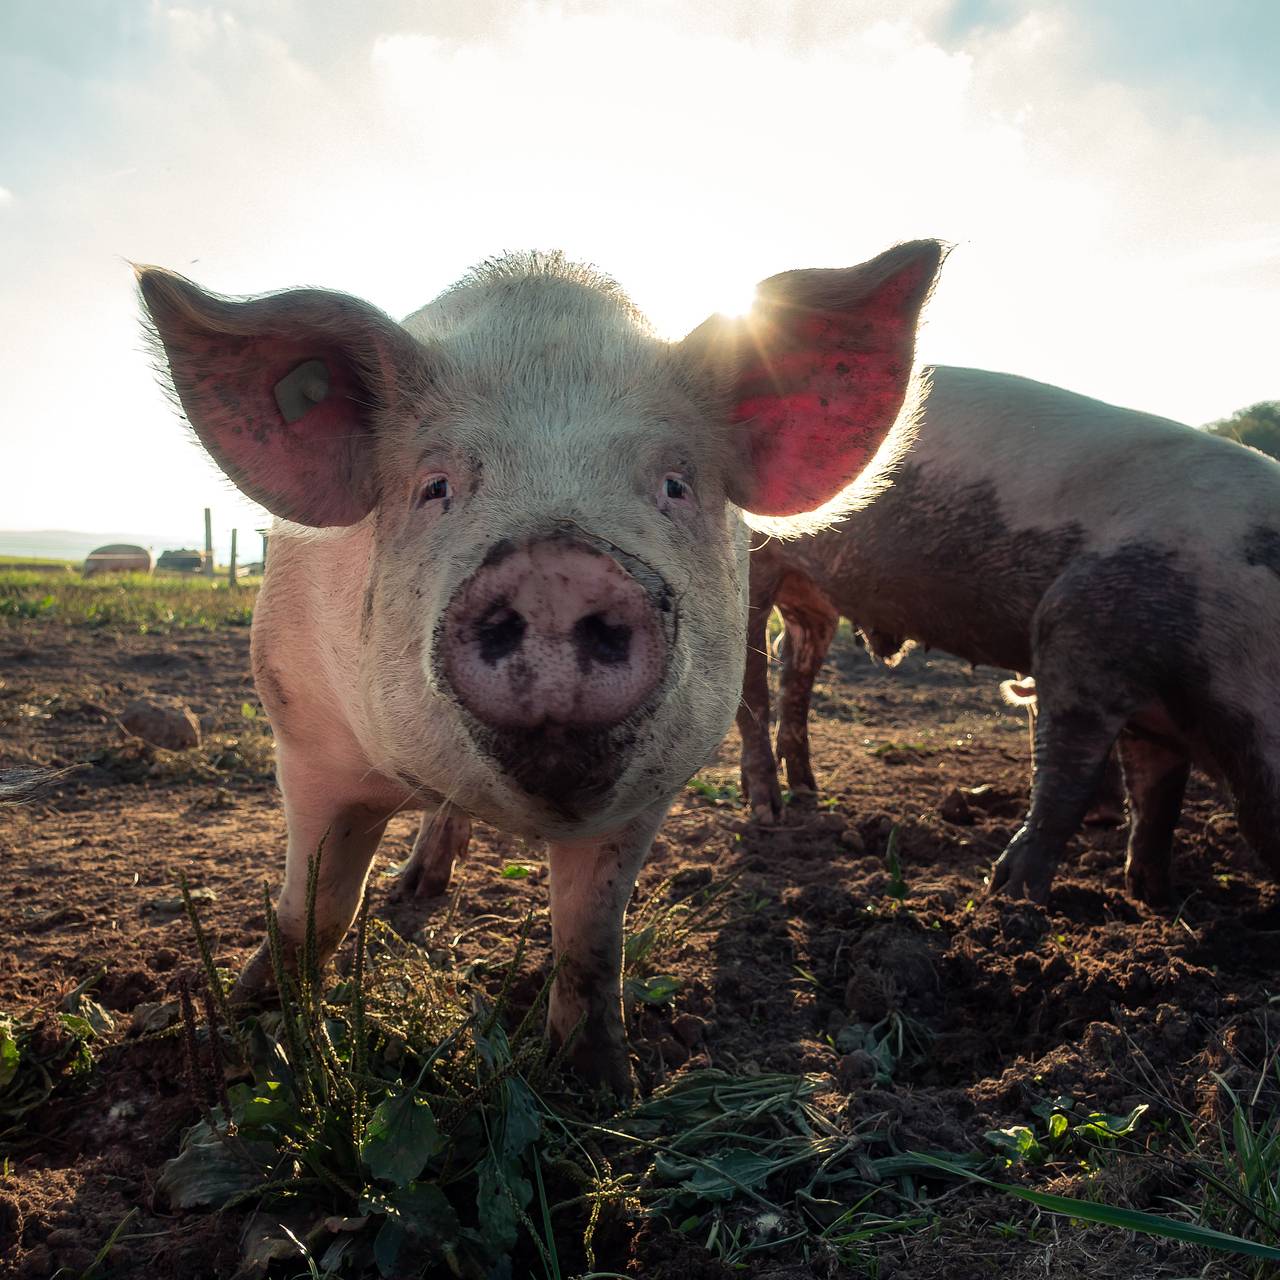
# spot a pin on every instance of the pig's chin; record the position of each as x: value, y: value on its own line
x: 570, y: 769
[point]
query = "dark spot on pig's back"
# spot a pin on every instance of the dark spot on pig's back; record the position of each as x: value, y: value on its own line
x: 965, y: 527
x: 938, y: 562
x: 1261, y: 546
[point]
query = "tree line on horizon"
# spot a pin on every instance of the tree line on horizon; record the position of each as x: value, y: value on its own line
x: 1258, y: 426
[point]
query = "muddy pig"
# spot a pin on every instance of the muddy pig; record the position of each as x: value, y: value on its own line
x: 509, y: 565
x: 1129, y: 563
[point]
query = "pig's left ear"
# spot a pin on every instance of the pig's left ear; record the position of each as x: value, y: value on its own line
x: 816, y: 373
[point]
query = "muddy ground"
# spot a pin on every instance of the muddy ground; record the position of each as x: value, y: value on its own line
x: 1095, y: 997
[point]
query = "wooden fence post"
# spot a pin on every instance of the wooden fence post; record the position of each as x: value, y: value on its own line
x: 231, y: 570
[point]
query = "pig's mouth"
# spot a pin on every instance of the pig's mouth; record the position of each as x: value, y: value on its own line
x: 571, y: 769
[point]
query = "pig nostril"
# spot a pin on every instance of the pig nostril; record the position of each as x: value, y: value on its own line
x: 499, y: 633
x: 597, y: 641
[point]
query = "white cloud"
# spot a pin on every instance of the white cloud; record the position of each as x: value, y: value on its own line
x: 1102, y: 242
x: 6, y: 196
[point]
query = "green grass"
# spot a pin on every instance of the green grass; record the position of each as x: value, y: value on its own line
x: 60, y: 565
x: 132, y: 601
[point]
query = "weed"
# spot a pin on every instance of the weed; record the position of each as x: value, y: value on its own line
x: 1236, y: 1159
x: 748, y: 1165
x: 658, y: 928
x: 719, y: 793
x: 91, y: 1272
x: 1151, y: 1224
x: 896, y: 1040
x: 45, y: 1052
x: 897, y: 882
x: 1068, y: 1130
x: 389, y: 1123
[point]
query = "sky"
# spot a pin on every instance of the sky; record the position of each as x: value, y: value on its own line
x: 1108, y: 172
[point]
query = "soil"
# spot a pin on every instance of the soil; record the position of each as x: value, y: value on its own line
x: 1094, y: 996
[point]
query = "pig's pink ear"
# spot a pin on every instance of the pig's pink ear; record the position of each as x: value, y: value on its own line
x: 283, y: 390
x: 816, y: 374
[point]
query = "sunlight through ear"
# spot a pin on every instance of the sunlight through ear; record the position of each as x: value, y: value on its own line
x: 685, y: 310
x: 734, y: 303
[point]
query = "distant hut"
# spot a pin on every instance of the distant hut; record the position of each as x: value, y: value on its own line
x: 119, y: 557
x: 185, y: 560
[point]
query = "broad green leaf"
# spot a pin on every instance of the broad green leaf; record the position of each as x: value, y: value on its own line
x: 420, y: 1225
x: 98, y: 1019
x: 1016, y: 1143
x: 400, y: 1138
x: 500, y: 1194
x: 209, y: 1172
x: 524, y: 1121
x: 262, y: 1106
x: 1057, y: 1126
x: 1099, y: 1125
x: 515, y: 871
x: 656, y: 990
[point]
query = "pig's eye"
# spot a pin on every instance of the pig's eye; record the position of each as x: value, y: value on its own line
x: 432, y: 489
x: 676, y: 489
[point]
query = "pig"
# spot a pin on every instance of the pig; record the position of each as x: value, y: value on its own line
x: 508, y: 571
x: 1129, y: 563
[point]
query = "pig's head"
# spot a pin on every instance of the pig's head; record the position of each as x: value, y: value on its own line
x: 551, y: 500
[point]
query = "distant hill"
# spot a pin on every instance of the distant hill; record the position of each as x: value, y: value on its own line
x: 74, y: 544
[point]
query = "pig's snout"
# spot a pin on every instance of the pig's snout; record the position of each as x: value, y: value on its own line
x: 556, y: 633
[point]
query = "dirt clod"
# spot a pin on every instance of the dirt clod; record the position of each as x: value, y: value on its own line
x: 168, y: 724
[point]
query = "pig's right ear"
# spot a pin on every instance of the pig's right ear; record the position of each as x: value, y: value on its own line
x: 283, y: 389
x: 814, y: 377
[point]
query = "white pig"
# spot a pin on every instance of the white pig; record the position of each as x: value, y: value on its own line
x: 509, y: 569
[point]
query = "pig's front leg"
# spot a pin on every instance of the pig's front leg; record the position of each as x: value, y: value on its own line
x: 443, y: 837
x: 591, y: 883
x: 321, y: 810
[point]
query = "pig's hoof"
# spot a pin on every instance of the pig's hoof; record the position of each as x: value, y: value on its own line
x: 416, y: 883
x: 607, y: 1070
x: 1022, y: 873
x: 764, y: 815
x: 256, y: 984
x: 1148, y: 885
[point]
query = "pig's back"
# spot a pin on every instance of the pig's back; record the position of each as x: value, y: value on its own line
x: 1010, y: 481
x: 1053, y: 457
